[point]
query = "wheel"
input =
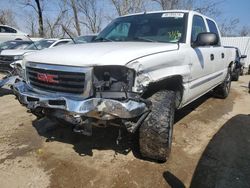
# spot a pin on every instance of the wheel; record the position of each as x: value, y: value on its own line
x: 155, y: 133
x: 222, y: 91
x: 242, y: 71
x: 38, y: 112
x: 236, y: 75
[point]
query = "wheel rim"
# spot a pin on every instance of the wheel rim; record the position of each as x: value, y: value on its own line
x: 228, y: 83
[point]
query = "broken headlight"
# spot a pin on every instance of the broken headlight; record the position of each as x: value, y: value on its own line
x: 113, y: 78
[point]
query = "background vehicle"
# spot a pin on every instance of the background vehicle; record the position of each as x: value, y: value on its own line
x: 238, y: 65
x: 9, y: 56
x: 10, y: 33
x: 14, y: 44
x: 139, y: 70
x: 85, y: 39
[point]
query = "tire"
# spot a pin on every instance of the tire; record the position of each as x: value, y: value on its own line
x: 155, y: 133
x: 38, y: 112
x: 222, y: 91
x: 236, y: 75
x: 241, y: 72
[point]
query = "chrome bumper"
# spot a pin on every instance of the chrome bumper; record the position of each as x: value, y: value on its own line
x: 105, y: 109
x: 9, y: 80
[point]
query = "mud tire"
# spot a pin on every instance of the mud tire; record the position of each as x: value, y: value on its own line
x: 222, y: 91
x: 236, y: 75
x: 155, y: 133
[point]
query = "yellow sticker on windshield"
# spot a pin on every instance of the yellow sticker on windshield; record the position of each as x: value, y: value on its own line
x: 172, y: 15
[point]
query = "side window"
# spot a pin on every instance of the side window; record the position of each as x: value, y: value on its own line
x: 212, y: 27
x: 7, y: 30
x: 1, y: 30
x: 197, y: 27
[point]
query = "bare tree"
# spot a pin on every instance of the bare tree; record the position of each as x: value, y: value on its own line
x: 167, y: 4
x: 123, y: 7
x: 245, y: 31
x: 74, y: 7
x: 92, y: 17
x: 36, y: 5
x: 54, y: 26
x: 40, y: 18
x: 31, y: 26
x: 227, y: 27
x: 7, y: 17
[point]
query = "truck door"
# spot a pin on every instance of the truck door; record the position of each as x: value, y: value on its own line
x: 202, y: 60
x: 220, y: 56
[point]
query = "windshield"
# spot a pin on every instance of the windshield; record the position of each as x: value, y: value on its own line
x: 39, y: 45
x: 84, y: 39
x: 156, y: 27
x: 8, y: 45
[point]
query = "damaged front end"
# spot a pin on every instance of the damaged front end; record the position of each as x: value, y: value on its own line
x: 78, y: 95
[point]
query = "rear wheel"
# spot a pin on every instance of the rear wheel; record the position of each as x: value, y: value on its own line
x: 155, y: 133
x: 222, y: 91
x: 236, y: 75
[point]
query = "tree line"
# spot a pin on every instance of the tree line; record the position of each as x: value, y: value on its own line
x: 46, y: 18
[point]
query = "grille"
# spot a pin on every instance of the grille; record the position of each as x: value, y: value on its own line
x: 6, y: 58
x: 67, y: 82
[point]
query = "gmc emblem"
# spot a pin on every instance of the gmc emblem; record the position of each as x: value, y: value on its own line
x: 48, y: 78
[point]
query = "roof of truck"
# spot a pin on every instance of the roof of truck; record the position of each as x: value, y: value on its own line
x: 164, y: 11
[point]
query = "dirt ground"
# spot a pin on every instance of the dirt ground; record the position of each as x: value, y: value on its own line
x: 211, y: 148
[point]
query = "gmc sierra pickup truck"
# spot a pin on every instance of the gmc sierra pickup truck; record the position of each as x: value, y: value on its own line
x: 137, y: 72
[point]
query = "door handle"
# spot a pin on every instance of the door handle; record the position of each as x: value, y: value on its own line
x: 222, y: 55
x: 211, y: 57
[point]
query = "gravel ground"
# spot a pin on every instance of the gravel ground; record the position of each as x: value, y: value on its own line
x: 211, y: 148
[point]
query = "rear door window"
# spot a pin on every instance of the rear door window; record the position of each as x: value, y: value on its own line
x: 212, y: 27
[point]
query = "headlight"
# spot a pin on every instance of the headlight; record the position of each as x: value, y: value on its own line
x: 142, y: 79
x: 18, y: 57
x: 113, y: 78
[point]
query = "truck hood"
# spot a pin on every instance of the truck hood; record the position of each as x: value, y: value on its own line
x: 102, y: 53
x: 15, y: 52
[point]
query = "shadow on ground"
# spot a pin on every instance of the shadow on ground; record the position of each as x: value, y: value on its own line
x: 225, y: 162
x: 102, y: 138
x: 192, y: 106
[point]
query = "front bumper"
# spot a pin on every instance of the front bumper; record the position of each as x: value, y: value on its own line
x: 99, y: 108
x: 5, y: 65
x: 9, y: 80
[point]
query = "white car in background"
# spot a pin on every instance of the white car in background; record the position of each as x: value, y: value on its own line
x: 10, y: 33
x: 9, y: 56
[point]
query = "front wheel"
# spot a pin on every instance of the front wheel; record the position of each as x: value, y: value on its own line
x: 155, y: 133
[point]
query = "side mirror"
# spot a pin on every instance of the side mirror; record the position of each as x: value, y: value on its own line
x: 207, y: 39
x: 243, y: 56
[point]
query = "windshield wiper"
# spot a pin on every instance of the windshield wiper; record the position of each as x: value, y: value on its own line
x: 144, y: 39
x: 103, y: 39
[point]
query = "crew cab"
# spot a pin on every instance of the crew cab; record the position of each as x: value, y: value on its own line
x: 137, y: 72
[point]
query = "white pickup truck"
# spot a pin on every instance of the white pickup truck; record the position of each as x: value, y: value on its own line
x: 139, y: 70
